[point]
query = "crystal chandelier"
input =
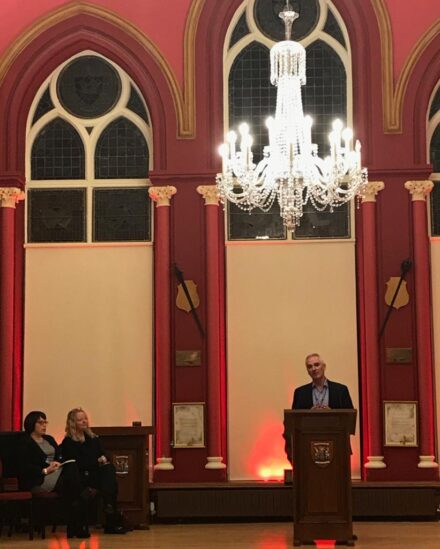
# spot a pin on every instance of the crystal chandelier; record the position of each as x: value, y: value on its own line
x: 291, y: 170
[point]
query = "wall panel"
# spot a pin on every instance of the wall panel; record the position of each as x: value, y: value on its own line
x: 88, y: 334
x: 284, y: 301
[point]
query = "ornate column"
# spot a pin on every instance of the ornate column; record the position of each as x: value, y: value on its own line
x: 162, y: 324
x: 423, y: 303
x: 213, y: 297
x: 371, y: 368
x: 9, y: 197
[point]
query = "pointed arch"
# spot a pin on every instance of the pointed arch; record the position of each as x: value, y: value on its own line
x: 57, y: 141
x: 61, y: 35
x: 121, y: 151
x: 395, y: 96
x: 422, y: 79
x: 184, y: 100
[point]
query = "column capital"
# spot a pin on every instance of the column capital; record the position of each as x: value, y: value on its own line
x: 371, y: 189
x: 162, y: 195
x: 10, y: 196
x: 419, y: 189
x: 209, y: 193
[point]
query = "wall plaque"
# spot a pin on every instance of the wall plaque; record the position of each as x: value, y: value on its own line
x: 400, y: 418
x: 188, y: 358
x: 189, y: 425
x: 398, y: 355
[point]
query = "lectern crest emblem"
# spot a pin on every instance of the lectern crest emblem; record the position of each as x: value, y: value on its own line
x: 322, y: 452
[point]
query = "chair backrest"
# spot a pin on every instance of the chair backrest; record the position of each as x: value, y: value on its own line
x: 2, y: 486
x: 9, y: 444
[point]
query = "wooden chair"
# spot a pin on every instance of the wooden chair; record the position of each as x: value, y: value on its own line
x: 48, y: 509
x: 11, y: 503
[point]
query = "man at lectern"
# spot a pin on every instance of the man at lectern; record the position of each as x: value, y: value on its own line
x: 320, y: 393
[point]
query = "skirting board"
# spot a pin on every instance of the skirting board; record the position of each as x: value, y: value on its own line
x: 271, y: 500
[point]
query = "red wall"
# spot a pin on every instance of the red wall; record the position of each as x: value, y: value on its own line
x: 185, y: 163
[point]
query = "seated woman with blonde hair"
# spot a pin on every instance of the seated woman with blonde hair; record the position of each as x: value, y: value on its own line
x: 40, y: 470
x: 97, y: 473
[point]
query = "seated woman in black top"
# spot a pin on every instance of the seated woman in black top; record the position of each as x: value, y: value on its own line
x: 40, y: 471
x: 81, y: 444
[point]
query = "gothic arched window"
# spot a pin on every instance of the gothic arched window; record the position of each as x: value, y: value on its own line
x: 434, y: 159
x: 121, y: 152
x: 88, y: 158
x: 57, y: 152
x: 252, y: 98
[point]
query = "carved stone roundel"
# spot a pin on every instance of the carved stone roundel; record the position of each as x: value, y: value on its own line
x: 89, y: 87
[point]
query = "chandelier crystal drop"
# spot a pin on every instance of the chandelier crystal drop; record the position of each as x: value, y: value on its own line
x: 291, y: 170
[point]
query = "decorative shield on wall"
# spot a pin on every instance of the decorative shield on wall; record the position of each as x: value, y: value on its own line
x: 402, y: 297
x: 182, y: 301
x: 322, y: 452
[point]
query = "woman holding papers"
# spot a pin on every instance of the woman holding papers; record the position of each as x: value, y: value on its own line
x: 41, y: 469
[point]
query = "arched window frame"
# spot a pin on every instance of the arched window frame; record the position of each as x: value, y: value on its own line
x: 255, y: 35
x: 99, y: 124
x: 431, y: 125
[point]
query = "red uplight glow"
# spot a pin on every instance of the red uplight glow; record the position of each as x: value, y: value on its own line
x: 267, y: 459
x: 59, y: 543
x: 274, y: 541
x: 274, y: 470
x: 325, y: 543
x: 63, y: 543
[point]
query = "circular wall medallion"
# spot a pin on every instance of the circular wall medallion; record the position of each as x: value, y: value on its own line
x: 266, y: 13
x: 88, y: 87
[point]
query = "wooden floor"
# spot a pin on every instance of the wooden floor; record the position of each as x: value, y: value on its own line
x: 377, y: 535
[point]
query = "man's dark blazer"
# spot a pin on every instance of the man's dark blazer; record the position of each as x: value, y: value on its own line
x: 32, y: 461
x: 338, y: 396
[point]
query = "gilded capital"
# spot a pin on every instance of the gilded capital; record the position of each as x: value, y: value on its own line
x: 209, y: 193
x: 419, y: 189
x: 371, y: 189
x: 10, y: 196
x: 162, y: 195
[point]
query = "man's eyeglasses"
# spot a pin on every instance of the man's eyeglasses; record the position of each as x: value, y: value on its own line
x: 315, y: 364
x: 42, y: 422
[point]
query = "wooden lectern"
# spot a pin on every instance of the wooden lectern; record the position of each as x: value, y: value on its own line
x: 322, y: 477
x: 127, y: 449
